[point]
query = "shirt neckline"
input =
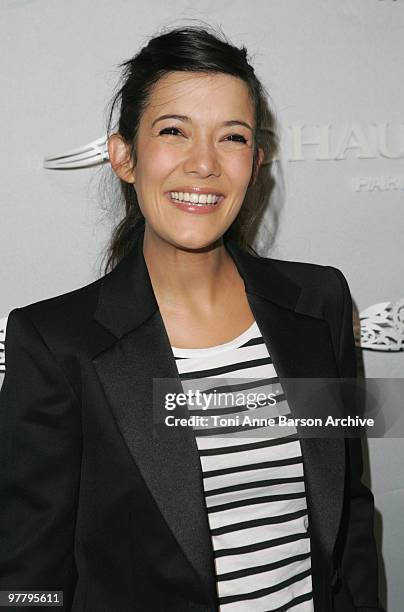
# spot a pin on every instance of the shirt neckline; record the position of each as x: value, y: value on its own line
x: 218, y: 348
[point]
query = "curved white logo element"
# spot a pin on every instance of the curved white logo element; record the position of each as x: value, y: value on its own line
x: 3, y: 323
x: 382, y: 326
x: 91, y: 154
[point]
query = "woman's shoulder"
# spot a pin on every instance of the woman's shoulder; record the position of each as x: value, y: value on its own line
x: 307, y: 274
x: 322, y: 290
x: 68, y: 313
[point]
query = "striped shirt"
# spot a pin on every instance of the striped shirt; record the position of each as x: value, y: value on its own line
x: 253, y: 480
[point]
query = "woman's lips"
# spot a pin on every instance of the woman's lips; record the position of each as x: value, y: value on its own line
x: 201, y: 209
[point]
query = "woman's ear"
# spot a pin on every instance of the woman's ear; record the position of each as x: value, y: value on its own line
x: 261, y: 156
x: 120, y: 158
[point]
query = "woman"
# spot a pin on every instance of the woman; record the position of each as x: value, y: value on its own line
x: 102, y: 501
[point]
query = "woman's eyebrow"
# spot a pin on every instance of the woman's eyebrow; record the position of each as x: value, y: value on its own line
x: 185, y: 118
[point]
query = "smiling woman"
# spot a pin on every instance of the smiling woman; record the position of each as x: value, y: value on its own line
x: 228, y: 119
x: 103, y: 501
x: 187, y: 147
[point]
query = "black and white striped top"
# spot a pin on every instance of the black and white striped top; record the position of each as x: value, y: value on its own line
x: 253, y: 480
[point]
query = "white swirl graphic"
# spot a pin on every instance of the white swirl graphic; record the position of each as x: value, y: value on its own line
x: 382, y: 326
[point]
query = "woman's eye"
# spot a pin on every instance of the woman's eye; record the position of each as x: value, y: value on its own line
x: 238, y: 136
x: 173, y: 131
x: 168, y: 129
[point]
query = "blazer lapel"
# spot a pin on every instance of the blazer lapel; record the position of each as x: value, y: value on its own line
x: 140, y: 351
x: 300, y: 349
x: 167, y: 457
x: 299, y: 343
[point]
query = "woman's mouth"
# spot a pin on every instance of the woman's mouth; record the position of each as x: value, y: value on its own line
x: 195, y: 203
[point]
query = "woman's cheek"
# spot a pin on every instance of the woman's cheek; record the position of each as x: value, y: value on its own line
x: 239, y: 167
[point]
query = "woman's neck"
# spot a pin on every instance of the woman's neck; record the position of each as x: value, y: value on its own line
x: 186, y: 279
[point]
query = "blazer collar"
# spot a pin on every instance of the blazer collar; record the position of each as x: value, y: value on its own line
x: 127, y: 298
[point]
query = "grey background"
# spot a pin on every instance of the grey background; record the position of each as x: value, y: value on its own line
x: 323, y: 62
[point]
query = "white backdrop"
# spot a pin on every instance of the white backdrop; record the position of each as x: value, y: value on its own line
x: 332, y: 68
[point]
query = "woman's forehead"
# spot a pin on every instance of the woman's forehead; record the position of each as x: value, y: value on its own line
x: 194, y: 90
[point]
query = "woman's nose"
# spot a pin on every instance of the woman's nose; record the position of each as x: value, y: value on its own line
x: 202, y: 158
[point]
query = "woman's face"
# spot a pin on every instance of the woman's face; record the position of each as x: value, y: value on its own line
x: 196, y: 134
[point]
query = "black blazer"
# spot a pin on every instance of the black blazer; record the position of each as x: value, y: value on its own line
x: 94, y: 504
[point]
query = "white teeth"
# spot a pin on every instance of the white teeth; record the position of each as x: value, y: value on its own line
x: 195, y: 198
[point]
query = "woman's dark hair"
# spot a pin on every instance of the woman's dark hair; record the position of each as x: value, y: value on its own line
x: 196, y: 49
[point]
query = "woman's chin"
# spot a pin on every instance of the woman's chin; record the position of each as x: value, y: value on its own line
x: 182, y: 236
x: 191, y: 238
x: 195, y: 242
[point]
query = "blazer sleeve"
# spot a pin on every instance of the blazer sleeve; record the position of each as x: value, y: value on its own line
x: 359, y: 566
x: 40, y: 458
